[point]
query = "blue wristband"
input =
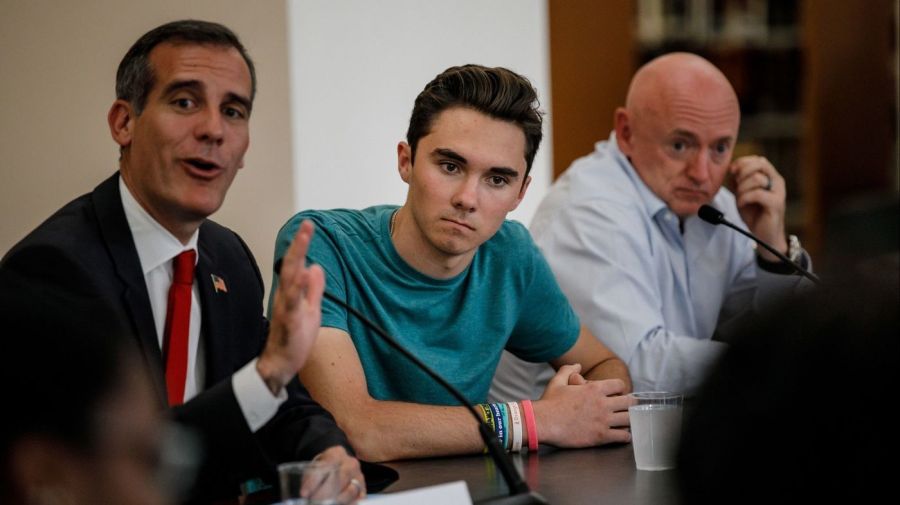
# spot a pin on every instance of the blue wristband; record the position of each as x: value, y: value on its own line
x: 504, y: 414
x: 499, y: 426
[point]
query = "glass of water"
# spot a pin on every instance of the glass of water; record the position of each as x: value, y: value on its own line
x: 655, y: 429
x: 309, y: 483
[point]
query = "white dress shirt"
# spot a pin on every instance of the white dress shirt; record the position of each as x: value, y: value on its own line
x: 156, y: 248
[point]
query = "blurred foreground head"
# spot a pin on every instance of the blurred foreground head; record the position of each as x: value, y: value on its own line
x: 80, y: 425
x: 799, y: 408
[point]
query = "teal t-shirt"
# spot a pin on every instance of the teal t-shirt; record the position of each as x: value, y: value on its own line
x: 506, y: 298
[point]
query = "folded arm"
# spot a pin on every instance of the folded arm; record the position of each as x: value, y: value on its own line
x: 612, y: 272
x: 597, y: 361
x: 571, y: 414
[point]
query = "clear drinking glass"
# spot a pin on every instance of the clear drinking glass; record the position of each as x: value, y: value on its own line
x: 309, y: 483
x: 655, y: 429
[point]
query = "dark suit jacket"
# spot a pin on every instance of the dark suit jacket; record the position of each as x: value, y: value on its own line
x: 90, y: 238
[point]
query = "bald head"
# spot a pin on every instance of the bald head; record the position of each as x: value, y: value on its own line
x: 675, y: 78
x: 678, y: 128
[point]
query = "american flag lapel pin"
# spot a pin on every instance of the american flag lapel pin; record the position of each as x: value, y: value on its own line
x: 218, y: 284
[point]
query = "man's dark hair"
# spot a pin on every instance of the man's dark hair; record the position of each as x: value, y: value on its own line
x: 135, y: 77
x: 498, y: 92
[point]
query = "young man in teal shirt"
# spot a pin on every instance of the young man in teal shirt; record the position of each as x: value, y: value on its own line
x: 456, y: 283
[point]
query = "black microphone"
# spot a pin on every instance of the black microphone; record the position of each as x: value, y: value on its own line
x: 713, y: 215
x: 519, y: 492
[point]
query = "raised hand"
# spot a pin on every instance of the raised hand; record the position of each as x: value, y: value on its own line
x: 296, y: 314
x: 760, y: 192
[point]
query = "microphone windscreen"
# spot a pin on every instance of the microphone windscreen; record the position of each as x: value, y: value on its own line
x: 710, y: 214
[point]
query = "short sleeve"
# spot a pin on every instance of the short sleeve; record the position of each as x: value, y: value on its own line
x: 323, y: 251
x: 547, y: 326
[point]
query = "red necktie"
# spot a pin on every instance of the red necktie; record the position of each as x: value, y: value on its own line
x: 178, y: 324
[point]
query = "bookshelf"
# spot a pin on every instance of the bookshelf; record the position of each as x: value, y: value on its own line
x: 756, y: 44
x: 816, y: 80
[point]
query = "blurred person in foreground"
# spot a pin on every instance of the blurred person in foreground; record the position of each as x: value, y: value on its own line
x: 80, y: 425
x: 800, y: 407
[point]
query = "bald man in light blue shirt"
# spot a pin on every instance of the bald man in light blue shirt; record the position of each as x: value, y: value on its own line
x: 620, y: 231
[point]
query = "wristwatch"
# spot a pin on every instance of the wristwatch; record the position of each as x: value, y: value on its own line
x: 795, y: 250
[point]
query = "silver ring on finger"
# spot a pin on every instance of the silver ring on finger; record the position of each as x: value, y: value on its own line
x: 768, y: 186
x: 359, y: 487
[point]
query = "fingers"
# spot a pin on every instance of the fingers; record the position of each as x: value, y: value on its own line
x: 619, y: 419
x: 619, y: 403
x: 752, y: 191
x: 298, y: 248
x: 293, y: 266
x: 315, y: 287
x: 617, y: 436
x: 355, y: 490
x: 297, y: 281
x: 757, y: 180
x: 760, y: 195
x: 754, y: 174
x: 562, y: 375
x: 296, y: 313
x: 303, y: 238
x: 746, y: 166
x: 610, y: 387
x: 576, y: 379
x: 598, y: 410
x: 351, y: 482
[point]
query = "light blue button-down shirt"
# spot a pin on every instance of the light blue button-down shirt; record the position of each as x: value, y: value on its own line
x: 651, y: 292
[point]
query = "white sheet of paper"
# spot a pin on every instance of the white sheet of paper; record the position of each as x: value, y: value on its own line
x: 452, y: 493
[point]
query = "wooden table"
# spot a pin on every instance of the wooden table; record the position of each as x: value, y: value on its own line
x: 577, y: 476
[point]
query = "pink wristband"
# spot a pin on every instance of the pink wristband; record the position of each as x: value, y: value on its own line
x: 530, y: 425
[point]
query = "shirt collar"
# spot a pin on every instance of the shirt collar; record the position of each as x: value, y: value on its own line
x: 155, y: 244
x: 652, y: 204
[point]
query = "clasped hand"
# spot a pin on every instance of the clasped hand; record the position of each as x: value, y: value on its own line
x: 575, y: 412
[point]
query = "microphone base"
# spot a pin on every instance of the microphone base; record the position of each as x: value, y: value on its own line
x: 530, y: 498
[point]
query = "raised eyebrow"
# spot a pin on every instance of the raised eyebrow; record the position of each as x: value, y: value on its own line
x: 449, y: 153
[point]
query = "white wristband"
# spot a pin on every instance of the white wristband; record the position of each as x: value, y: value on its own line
x: 516, y: 422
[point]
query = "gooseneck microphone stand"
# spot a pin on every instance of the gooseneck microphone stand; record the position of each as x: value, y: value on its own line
x: 519, y: 492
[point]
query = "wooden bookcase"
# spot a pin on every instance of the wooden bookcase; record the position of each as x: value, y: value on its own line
x: 816, y: 81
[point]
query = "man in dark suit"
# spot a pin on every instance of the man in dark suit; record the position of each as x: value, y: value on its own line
x: 190, y: 287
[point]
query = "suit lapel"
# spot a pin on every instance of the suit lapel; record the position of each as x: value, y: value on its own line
x: 215, y: 304
x: 123, y: 254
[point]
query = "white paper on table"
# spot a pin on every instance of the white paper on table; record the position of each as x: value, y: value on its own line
x: 452, y: 493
